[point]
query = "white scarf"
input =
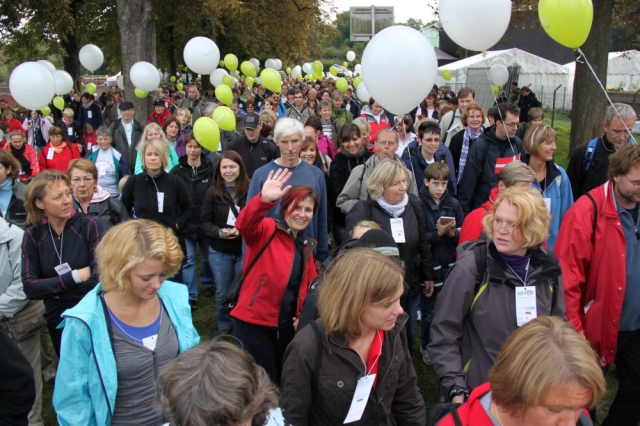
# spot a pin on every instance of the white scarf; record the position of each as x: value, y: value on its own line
x: 394, y: 210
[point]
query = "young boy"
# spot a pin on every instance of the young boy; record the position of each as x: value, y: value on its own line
x: 536, y: 116
x: 329, y: 123
x: 338, y: 111
x: 444, y: 217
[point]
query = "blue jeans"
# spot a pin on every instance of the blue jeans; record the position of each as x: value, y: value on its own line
x: 225, y: 267
x: 426, y: 306
x: 189, y: 266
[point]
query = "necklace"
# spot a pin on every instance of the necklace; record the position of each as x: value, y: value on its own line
x: 498, y: 414
x: 54, y: 243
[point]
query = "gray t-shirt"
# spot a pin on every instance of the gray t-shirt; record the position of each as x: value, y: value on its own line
x: 138, y: 371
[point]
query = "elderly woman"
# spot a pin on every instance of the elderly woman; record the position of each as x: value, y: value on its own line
x: 154, y: 131
x: 551, y: 179
x: 217, y: 383
x: 472, y: 119
x: 90, y: 198
x: 277, y: 271
x: 352, y: 153
x: 37, y: 127
x: 358, y: 343
x: 156, y: 194
x: 401, y: 215
x: 71, y: 128
x: 25, y: 154
x: 58, y: 264
x: 57, y: 154
x: 124, y: 332
x: 499, y: 283
x: 545, y: 374
x: 110, y: 162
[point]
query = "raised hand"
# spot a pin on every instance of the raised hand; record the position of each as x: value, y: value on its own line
x: 272, y: 189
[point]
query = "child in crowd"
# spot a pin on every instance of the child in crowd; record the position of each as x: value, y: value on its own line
x: 444, y: 217
x: 536, y: 116
x: 341, y: 114
x: 89, y: 137
x: 329, y: 123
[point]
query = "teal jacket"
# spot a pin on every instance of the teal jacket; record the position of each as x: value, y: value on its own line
x: 118, y: 159
x: 173, y: 161
x: 87, y: 379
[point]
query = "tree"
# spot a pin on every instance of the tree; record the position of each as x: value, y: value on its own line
x: 416, y: 24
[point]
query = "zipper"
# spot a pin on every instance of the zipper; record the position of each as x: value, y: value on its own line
x: 255, y: 295
x: 104, y: 389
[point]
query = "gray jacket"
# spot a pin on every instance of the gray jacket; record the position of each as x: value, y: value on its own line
x: 468, y: 329
x: 119, y: 141
x: 12, y: 297
x: 356, y: 187
x: 300, y: 115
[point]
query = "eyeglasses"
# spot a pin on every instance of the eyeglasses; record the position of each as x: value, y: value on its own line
x: 86, y: 179
x: 635, y: 184
x: 430, y: 140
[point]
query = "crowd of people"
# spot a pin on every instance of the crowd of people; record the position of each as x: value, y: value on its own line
x: 328, y: 228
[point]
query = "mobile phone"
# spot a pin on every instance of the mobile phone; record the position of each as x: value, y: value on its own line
x: 445, y: 220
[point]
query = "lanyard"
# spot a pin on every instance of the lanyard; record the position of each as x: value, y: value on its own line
x: 375, y: 361
x: 526, y: 273
x: 54, y: 243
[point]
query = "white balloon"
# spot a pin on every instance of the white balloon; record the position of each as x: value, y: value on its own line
x: 64, y: 82
x: 358, y: 69
x: 144, y: 76
x: 278, y: 64
x: 235, y: 74
x: 296, y: 71
x: 255, y: 62
x: 363, y: 93
x: 307, y: 67
x: 499, y: 60
x: 475, y: 25
x: 270, y: 63
x: 499, y: 75
x: 91, y: 57
x: 235, y: 81
x: 48, y: 65
x: 351, y: 55
x: 349, y: 73
x: 201, y: 55
x: 32, y: 85
x: 399, y: 89
x: 120, y: 82
x: 216, y: 76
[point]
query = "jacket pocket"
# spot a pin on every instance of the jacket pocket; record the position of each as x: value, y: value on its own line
x: 337, y: 392
x: 255, y: 295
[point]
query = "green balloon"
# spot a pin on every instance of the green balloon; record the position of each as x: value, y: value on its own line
x: 140, y: 93
x: 342, y: 84
x: 225, y: 118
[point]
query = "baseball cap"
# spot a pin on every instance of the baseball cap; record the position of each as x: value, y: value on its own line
x: 251, y: 121
x: 125, y: 105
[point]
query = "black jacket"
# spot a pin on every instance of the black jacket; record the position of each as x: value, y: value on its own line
x: 340, y: 170
x: 455, y: 146
x: 198, y: 180
x: 416, y: 251
x: 139, y: 196
x: 110, y: 212
x: 525, y: 104
x: 213, y: 217
x: 17, y: 386
x: 583, y: 181
x: 254, y: 155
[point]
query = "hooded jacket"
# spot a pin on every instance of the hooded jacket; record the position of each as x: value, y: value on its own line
x: 396, y: 393
x: 469, y: 328
x: 413, y: 159
x: 487, y: 156
x: 109, y: 211
x: 376, y: 122
x: 254, y: 155
x: 87, y: 380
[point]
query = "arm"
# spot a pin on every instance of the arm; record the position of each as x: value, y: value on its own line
x: 30, y: 153
x: 138, y: 168
x: 425, y: 249
x: 13, y: 299
x: 127, y: 195
x: 408, y: 405
x: 451, y: 186
x: 208, y: 216
x: 186, y: 208
x: 42, y: 158
x: 566, y: 194
x: 351, y: 191
x: 123, y: 166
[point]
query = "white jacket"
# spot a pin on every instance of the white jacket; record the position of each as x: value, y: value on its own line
x: 12, y: 297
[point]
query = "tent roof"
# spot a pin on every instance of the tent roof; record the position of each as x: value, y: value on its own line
x: 528, y: 62
x: 629, y: 59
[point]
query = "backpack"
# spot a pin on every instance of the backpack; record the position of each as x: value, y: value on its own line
x: 589, y: 153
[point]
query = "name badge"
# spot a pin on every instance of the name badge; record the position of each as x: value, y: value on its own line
x: 231, y: 218
x: 89, y: 114
x: 150, y: 342
x: 526, y: 307
x: 50, y: 154
x: 70, y: 131
x: 88, y: 146
x: 160, y: 202
x: 102, y: 169
x: 360, y: 398
x: 63, y: 268
x: 397, y: 230
x: 547, y: 202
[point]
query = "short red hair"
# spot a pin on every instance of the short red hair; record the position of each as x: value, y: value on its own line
x: 293, y: 197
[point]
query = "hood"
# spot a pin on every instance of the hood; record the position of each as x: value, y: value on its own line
x: 100, y: 194
x: 7, y: 232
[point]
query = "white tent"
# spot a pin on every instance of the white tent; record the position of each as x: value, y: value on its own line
x: 112, y: 81
x: 538, y: 73
x: 623, y: 70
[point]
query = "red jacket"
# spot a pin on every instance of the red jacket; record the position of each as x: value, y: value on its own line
x: 59, y: 161
x: 472, y: 225
x: 263, y: 289
x: 374, y: 124
x: 30, y: 155
x: 594, y: 275
x: 159, y: 119
x: 14, y: 124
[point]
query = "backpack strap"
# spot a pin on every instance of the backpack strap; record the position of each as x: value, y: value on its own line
x: 589, y: 153
x: 595, y: 217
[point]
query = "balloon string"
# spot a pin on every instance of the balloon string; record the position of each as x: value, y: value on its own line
x: 500, y: 113
x: 583, y: 56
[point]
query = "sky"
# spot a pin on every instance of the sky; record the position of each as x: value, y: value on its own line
x: 402, y: 9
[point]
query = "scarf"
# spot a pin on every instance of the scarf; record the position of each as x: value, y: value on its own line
x: 468, y: 135
x: 25, y: 166
x: 358, y: 154
x: 67, y: 121
x: 6, y: 191
x: 58, y: 149
x: 394, y: 210
x: 87, y: 105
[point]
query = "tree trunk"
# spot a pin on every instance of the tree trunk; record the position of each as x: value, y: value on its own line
x: 589, y: 102
x: 138, y: 40
x: 171, y: 52
x: 72, y: 60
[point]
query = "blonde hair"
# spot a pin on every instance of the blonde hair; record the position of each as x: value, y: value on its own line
x: 158, y: 145
x: 364, y: 224
x: 383, y: 176
x: 153, y: 126
x: 127, y: 244
x: 361, y: 277
x: 533, y: 216
x: 535, y: 136
x: 68, y: 112
x: 37, y: 190
x: 187, y: 113
x: 541, y: 356
x: 362, y: 125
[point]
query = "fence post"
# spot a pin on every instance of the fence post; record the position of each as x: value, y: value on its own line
x: 553, y: 110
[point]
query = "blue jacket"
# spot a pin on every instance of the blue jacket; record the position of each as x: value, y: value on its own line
x: 443, y: 249
x: 118, y: 158
x: 413, y: 159
x: 96, y: 120
x: 559, y: 193
x: 87, y: 380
